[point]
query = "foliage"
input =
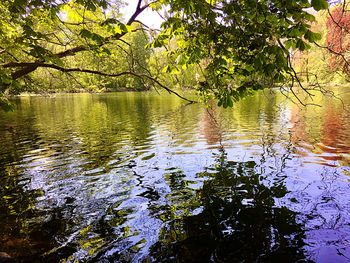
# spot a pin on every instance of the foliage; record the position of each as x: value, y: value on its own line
x: 45, y: 43
x: 234, y: 47
x: 167, y: 69
x: 245, y: 44
x: 338, y: 38
x: 328, y: 59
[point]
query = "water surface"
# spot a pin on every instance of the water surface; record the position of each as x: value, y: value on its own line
x: 142, y: 177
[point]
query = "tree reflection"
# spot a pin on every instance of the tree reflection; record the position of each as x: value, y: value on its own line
x: 238, y: 221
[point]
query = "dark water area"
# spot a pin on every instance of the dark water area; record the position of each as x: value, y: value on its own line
x: 142, y: 177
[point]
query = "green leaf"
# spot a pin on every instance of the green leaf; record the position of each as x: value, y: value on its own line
x: 97, y: 38
x: 5, y: 104
x: 309, y: 17
x: 104, y: 4
x: 93, y: 36
x: 20, y: 4
x: 229, y: 101
x: 311, y: 36
x: 269, y: 68
x: 107, y: 51
x: 295, y: 32
x: 90, y: 5
x: 181, y: 59
x: 319, y: 4
x: 123, y: 27
x: 156, y: 6
x: 56, y: 60
x: 260, y: 18
x: 167, y: 69
x: 110, y: 21
x: 157, y: 43
x: 290, y: 44
x: 171, y: 69
x: 85, y: 33
x: 301, y: 45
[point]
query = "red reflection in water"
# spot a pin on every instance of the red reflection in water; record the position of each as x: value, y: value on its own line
x: 335, y: 131
x: 208, y: 128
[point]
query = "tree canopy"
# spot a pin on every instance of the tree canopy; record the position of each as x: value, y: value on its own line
x: 338, y: 38
x: 237, y: 46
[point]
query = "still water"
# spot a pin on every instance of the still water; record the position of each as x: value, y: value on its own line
x: 142, y: 177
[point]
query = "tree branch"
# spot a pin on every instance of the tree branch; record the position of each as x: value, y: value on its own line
x: 36, y: 65
x: 337, y: 23
x: 335, y: 53
x: 71, y: 52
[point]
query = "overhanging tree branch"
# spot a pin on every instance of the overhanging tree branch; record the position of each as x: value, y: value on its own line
x: 73, y: 51
x: 35, y: 65
x: 334, y: 52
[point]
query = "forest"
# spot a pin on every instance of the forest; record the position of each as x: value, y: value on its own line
x: 222, y: 49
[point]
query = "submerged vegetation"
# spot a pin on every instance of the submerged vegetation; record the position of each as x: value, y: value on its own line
x: 223, y: 49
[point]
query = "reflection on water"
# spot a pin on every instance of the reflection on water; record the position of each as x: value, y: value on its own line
x: 236, y: 220
x: 132, y: 177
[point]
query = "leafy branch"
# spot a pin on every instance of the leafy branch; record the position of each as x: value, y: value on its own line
x: 66, y: 70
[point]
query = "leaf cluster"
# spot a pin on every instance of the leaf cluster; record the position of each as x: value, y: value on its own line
x: 243, y: 46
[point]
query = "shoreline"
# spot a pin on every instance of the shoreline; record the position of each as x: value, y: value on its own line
x: 34, y: 94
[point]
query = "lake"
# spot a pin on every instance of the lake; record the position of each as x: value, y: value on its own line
x: 142, y: 177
